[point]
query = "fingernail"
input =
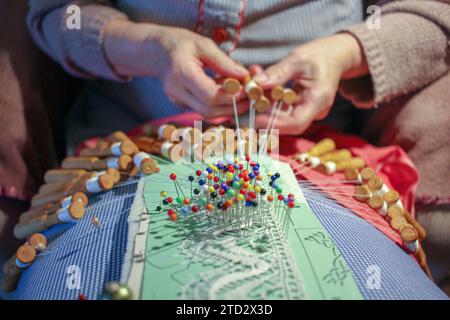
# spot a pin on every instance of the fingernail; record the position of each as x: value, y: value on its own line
x: 242, y: 70
x: 261, y: 78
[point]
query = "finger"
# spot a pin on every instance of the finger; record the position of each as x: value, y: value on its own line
x: 255, y: 69
x: 277, y: 74
x: 359, y: 93
x: 262, y: 121
x: 300, y: 120
x: 183, y: 94
x: 194, y: 78
x: 241, y: 106
x: 217, y: 60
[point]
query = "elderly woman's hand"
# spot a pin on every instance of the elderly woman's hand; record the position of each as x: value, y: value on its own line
x: 315, y: 70
x: 178, y: 57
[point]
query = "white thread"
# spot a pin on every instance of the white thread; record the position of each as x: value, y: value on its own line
x: 64, y: 215
x: 412, y: 246
x: 92, y: 185
x: 359, y: 179
x: 115, y: 149
x: 161, y: 130
x: 303, y: 157
x: 165, y: 149
x: 331, y: 167
x: 139, y: 157
x: 315, y: 161
x: 67, y: 201
x: 250, y: 85
x: 112, y: 162
x: 21, y: 265
x: 384, y: 209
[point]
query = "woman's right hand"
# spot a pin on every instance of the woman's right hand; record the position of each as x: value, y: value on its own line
x: 176, y: 56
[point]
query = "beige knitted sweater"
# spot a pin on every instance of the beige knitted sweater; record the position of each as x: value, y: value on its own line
x: 409, y: 59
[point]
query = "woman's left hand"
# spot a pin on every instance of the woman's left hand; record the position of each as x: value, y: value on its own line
x: 315, y: 70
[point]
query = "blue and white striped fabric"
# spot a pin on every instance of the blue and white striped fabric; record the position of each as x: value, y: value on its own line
x: 100, y: 253
x: 363, y: 246
x: 97, y: 254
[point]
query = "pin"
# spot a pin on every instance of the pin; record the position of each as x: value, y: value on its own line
x: 96, y: 222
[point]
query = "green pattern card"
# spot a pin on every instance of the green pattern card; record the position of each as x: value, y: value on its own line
x: 283, y: 254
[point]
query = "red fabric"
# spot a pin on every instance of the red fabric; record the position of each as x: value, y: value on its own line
x: 391, y: 164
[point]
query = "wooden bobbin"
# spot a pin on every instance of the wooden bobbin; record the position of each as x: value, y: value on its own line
x: 159, y: 132
x: 277, y: 93
x: 118, y: 136
x: 398, y: 223
x: 410, y: 238
x: 147, y: 144
x: 69, y: 188
x: 77, y: 197
x: 114, y: 174
x: 395, y: 211
x: 53, y: 187
x: 289, y: 96
x: 328, y: 167
x: 39, y: 211
x: 262, y: 105
x: 58, y: 175
x: 121, y: 163
x: 422, y: 259
x: 252, y: 89
x: 37, y: 241
x: 145, y: 163
x: 375, y: 183
x: 362, y: 193
x: 356, y: 163
x: 231, y: 86
x: 172, y: 151
x: 352, y: 174
x: 367, y: 173
x: 14, y: 267
x: 116, y: 149
x: 42, y: 223
x: 322, y: 147
x: 377, y: 203
x: 391, y: 197
x: 99, y: 183
x: 420, y: 229
x: 79, y: 163
x: 337, y: 156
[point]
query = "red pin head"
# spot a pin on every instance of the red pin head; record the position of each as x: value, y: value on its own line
x: 173, y: 176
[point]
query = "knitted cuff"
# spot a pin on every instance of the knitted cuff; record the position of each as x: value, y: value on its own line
x: 405, y: 54
x: 84, y: 47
